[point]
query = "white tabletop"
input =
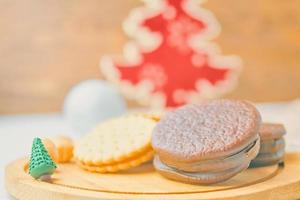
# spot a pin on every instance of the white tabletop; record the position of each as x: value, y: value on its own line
x: 17, y: 131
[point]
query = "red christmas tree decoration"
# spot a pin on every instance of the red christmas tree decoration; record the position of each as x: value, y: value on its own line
x: 170, y: 62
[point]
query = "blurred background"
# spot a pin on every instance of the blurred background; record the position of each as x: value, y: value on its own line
x: 48, y: 46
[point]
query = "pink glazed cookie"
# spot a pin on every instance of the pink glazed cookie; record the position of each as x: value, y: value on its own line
x: 218, y: 137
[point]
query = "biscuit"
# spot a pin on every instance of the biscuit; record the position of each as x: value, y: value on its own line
x: 155, y: 115
x: 64, y: 146
x: 267, y: 159
x: 124, y: 165
x: 270, y: 131
x: 152, y: 116
x: 60, y: 148
x: 194, y: 177
x: 115, y: 141
x: 213, y: 129
x: 214, y: 165
x: 218, y: 137
x: 51, y: 148
x: 272, y: 145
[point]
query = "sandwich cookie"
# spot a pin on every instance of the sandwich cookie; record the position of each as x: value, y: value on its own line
x: 272, y: 145
x: 206, y: 143
x: 117, y: 144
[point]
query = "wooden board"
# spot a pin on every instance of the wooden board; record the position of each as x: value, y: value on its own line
x: 71, y: 182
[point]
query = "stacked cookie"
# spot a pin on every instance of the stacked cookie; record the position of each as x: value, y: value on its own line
x: 60, y: 148
x: 271, y: 145
x: 117, y: 144
x: 206, y: 143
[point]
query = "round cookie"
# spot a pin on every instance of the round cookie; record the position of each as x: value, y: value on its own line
x: 123, y: 165
x: 226, y: 163
x: 267, y: 159
x: 270, y: 131
x: 64, y: 146
x: 271, y: 146
x: 207, y: 143
x: 115, y: 141
x: 196, y: 177
x: 51, y: 148
x: 211, y: 130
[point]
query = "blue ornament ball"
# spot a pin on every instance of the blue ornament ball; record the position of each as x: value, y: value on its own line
x: 90, y: 102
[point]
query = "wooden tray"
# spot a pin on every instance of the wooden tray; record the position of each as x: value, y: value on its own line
x: 71, y: 182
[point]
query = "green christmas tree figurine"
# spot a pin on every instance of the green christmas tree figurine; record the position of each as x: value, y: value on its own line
x: 41, y: 163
